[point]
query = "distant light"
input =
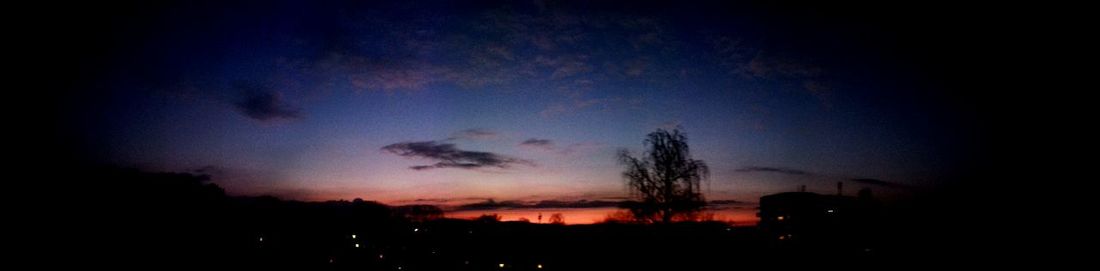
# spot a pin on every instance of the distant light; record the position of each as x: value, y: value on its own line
x: 830, y: 210
x: 780, y: 218
x: 416, y: 229
x: 352, y: 236
x: 538, y: 266
x: 379, y: 256
x: 501, y: 265
x: 398, y: 268
x: 261, y: 239
x: 356, y: 244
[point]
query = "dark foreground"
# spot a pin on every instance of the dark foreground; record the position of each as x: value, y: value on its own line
x: 157, y: 220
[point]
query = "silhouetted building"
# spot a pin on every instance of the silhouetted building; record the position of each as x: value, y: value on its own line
x: 805, y: 217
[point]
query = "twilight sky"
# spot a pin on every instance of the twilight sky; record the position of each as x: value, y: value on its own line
x: 448, y: 103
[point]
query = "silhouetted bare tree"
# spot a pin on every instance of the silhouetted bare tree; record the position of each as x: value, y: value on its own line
x: 488, y: 218
x: 665, y: 180
x: 557, y: 218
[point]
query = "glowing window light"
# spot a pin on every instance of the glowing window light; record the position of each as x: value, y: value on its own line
x: 830, y: 211
x: 501, y: 265
x: 356, y: 244
x: 380, y: 256
x: 353, y: 236
x: 781, y: 218
x: 261, y: 239
x: 539, y: 266
x: 416, y: 229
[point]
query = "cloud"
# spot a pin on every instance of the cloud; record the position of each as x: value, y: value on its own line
x: 635, y: 68
x: 577, y: 105
x: 265, y: 105
x: 545, y: 144
x: 866, y: 181
x: 448, y: 156
x: 490, y: 204
x: 551, y: 146
x: 475, y: 134
x: 210, y: 170
x: 773, y: 170
x: 727, y: 202
x: 502, y: 46
x: 879, y: 183
x: 576, y: 204
x: 391, y: 79
x: 564, y: 66
x: 367, y: 73
x: 752, y: 62
x: 765, y: 65
x: 439, y: 201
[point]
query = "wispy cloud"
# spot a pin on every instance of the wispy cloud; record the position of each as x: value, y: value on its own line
x: 516, y: 204
x: 210, y: 170
x: 545, y: 144
x: 753, y: 62
x: 578, y: 105
x: 439, y: 201
x: 823, y: 177
x: 564, y: 66
x: 879, y: 183
x: 773, y: 170
x: 635, y: 68
x: 548, y: 145
x: 764, y: 65
x: 447, y: 155
x: 556, y: 48
x: 491, y: 204
x: 727, y: 201
x: 265, y: 105
x: 729, y: 204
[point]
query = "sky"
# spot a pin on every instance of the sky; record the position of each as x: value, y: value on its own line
x: 457, y: 102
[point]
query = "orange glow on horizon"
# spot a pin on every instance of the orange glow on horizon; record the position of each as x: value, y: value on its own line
x: 574, y: 216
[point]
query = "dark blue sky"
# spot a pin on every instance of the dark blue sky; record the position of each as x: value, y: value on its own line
x: 514, y: 99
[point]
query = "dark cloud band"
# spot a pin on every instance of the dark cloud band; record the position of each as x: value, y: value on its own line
x: 265, y: 105
x: 774, y: 170
x: 449, y: 156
